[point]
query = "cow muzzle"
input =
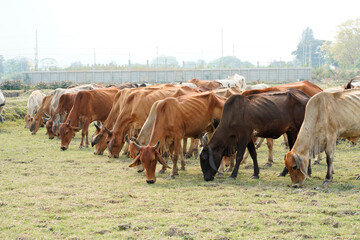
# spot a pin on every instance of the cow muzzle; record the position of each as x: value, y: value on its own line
x: 150, y: 181
x: 63, y: 148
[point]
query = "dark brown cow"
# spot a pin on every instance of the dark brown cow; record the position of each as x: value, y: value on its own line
x: 66, y: 102
x: 205, y: 83
x: 175, y: 119
x: 38, y: 118
x: 93, y: 105
x: 135, y: 112
x: 267, y: 115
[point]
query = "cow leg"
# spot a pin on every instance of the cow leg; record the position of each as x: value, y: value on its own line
x: 181, y: 158
x: 230, y: 168
x: 253, y: 154
x: 184, y: 145
x: 291, y: 136
x: 195, y: 148
x: 270, y: 145
x: 239, y: 157
x: 258, y: 142
x: 318, y: 159
x: 175, y: 157
x: 329, y: 161
x: 221, y: 168
x: 246, y: 155
x: 285, y: 141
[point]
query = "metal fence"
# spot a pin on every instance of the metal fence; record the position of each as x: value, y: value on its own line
x: 167, y: 76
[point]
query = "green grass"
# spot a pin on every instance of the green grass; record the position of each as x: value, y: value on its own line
x: 46, y: 193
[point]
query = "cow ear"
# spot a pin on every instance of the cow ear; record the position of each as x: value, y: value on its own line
x: 136, y: 161
x: 300, y: 164
x: 161, y: 160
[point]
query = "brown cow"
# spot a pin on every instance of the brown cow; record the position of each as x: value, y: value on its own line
x: 177, y: 118
x: 98, y: 140
x: 205, y: 83
x: 136, y: 111
x: 93, y: 105
x: 38, y: 118
x: 63, y: 108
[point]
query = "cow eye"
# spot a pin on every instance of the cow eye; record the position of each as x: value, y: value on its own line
x: 294, y: 167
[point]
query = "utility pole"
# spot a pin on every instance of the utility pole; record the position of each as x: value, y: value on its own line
x: 94, y: 60
x: 310, y: 55
x: 36, y: 54
x: 222, y: 47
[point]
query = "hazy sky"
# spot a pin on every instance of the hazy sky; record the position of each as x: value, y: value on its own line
x: 69, y: 30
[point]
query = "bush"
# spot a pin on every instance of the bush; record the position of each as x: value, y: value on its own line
x: 13, y: 85
x: 53, y: 85
x: 41, y: 85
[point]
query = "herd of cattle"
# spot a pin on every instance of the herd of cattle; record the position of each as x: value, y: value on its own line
x: 151, y: 123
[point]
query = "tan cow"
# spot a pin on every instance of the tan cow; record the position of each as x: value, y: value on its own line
x: 175, y: 119
x: 328, y: 116
x: 34, y: 102
x: 38, y: 119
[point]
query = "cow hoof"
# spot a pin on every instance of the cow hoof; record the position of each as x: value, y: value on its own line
x: 187, y: 156
x: 316, y: 163
x: 196, y: 154
x: 220, y: 174
x: 177, y: 174
x: 268, y: 165
x: 231, y: 178
x: 162, y: 171
x: 281, y: 175
x: 33, y: 133
x: 87, y: 146
x: 172, y: 176
x: 254, y: 177
x: 326, y: 182
x: 182, y: 168
x: 357, y: 177
x: 228, y: 170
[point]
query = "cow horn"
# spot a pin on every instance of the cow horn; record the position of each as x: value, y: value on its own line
x: 211, y: 160
x: 108, y: 131
x: 156, y: 145
x: 136, y: 145
x: 47, y: 116
x: 68, y: 123
x: 297, y: 160
x: 97, y: 127
x: 127, y: 139
x: 135, y: 140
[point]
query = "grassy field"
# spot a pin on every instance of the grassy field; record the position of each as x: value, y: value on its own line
x: 46, y: 193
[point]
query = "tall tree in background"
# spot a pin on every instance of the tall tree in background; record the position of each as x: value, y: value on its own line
x: 308, y: 52
x: 1, y: 64
x: 346, y: 48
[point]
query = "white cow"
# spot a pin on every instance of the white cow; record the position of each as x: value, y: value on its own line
x: 235, y: 80
x: 257, y: 86
x: 33, y: 105
x: 2, y: 104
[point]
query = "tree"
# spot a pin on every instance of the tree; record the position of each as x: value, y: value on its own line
x: 229, y: 62
x: 346, y: 48
x: 165, y: 61
x: 1, y: 64
x: 16, y: 65
x: 308, y: 51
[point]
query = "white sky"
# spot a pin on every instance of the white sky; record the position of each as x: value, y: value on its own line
x: 69, y: 30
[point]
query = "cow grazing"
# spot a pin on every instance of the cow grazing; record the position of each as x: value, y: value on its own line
x: 235, y: 80
x: 66, y: 102
x: 93, y: 105
x: 2, y: 104
x: 98, y: 140
x: 267, y: 115
x: 40, y: 116
x: 135, y: 112
x: 33, y: 105
x: 328, y: 116
x: 60, y: 91
x: 175, y: 119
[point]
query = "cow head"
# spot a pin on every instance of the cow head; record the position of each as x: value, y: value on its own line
x: 210, y: 162
x: 99, y: 140
x: 36, y: 123
x: 297, y: 168
x: 49, y: 125
x: 148, y: 157
x: 28, y: 120
x: 66, y: 133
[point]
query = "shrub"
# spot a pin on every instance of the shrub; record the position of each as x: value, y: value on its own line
x: 13, y: 85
